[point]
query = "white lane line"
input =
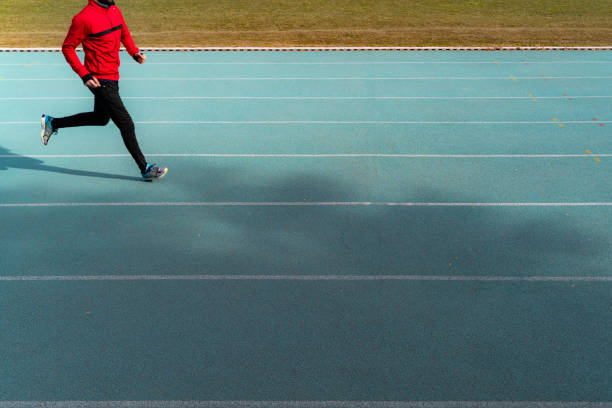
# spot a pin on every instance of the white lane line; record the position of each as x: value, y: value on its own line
x: 314, y: 155
x: 304, y: 404
x: 508, y: 78
x: 35, y: 64
x: 427, y: 278
x: 339, y: 122
x: 42, y: 98
x: 303, y: 204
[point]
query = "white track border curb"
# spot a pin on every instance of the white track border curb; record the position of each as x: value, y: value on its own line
x: 212, y: 49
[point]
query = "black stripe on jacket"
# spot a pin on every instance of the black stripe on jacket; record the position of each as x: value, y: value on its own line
x: 110, y: 30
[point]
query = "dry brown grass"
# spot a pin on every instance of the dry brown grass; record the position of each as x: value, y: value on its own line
x: 43, y: 23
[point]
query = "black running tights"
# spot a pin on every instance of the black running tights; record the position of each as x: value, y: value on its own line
x: 107, y: 106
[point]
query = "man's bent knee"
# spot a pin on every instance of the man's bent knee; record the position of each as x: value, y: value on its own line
x: 102, y: 120
x: 126, y: 125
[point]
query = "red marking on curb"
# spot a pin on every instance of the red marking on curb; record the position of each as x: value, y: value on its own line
x: 594, y: 119
x: 601, y: 124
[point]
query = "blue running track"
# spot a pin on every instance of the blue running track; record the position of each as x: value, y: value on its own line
x: 337, y: 229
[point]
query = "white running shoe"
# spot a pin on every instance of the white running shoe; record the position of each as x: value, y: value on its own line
x: 47, y: 129
x: 154, y: 171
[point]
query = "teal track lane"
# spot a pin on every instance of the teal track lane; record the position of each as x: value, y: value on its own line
x: 305, y: 341
x: 495, y: 303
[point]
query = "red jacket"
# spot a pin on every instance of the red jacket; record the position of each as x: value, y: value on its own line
x: 100, y: 30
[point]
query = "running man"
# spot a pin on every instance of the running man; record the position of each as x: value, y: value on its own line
x: 101, y: 29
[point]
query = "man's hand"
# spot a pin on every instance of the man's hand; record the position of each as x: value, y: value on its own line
x: 93, y: 83
x: 140, y: 58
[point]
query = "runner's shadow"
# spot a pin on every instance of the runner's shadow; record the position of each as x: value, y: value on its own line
x: 16, y: 161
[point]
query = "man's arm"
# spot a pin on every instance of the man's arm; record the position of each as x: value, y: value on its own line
x: 128, y: 42
x: 76, y: 35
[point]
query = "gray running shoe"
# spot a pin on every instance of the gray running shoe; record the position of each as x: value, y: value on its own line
x: 154, y: 172
x: 47, y: 129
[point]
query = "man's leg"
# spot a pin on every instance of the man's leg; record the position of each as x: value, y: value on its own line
x: 99, y: 117
x: 109, y: 93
